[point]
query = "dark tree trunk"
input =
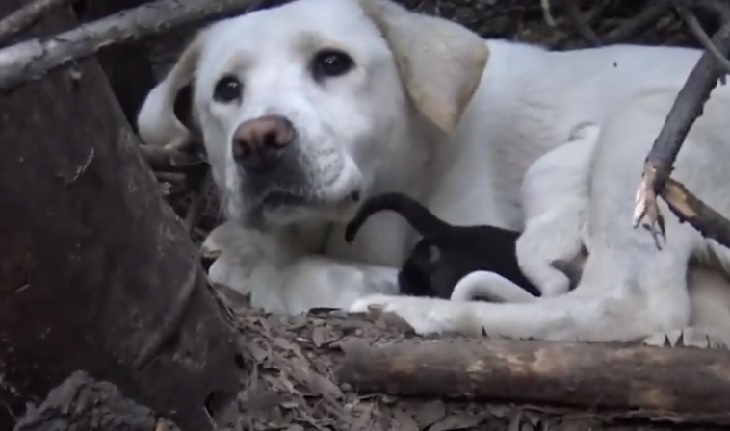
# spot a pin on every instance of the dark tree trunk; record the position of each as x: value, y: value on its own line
x: 92, y: 261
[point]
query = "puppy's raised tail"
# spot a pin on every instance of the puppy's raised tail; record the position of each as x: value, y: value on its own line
x: 421, y: 219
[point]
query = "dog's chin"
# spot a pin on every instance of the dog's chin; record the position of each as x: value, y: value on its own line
x: 285, y: 208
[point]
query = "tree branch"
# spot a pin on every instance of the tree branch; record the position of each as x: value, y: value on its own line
x: 637, y: 24
x: 26, y: 16
x: 31, y: 59
x: 686, y: 108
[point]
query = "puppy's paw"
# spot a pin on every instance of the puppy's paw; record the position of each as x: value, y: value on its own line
x: 427, y: 316
x: 687, y: 337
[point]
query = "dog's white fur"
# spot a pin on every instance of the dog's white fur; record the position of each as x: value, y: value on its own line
x: 555, y: 199
x: 408, y: 118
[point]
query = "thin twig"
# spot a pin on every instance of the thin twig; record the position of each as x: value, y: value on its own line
x: 547, y: 13
x: 638, y: 24
x: 26, y: 16
x: 162, y: 159
x: 702, y: 37
x: 581, y: 23
x: 31, y: 59
x: 686, y: 108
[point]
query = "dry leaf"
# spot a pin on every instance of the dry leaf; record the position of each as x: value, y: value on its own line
x: 429, y: 413
x: 363, y: 421
x: 323, y: 385
x: 515, y: 420
x: 404, y: 421
x: 259, y: 353
x: 456, y: 422
x: 527, y: 426
x: 499, y: 411
x: 318, y: 337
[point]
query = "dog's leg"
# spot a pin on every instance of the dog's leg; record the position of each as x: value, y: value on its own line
x: 710, y: 323
x: 548, y: 242
x: 555, y: 197
x: 490, y: 285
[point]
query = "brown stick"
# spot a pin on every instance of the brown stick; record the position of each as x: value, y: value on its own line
x: 688, y: 208
x: 686, y: 108
x: 681, y: 384
x: 31, y: 59
x: 26, y: 16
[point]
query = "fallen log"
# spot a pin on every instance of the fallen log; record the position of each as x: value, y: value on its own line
x: 678, y: 384
x: 96, y: 272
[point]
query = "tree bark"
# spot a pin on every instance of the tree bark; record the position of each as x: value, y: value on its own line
x: 92, y: 262
x: 682, y: 384
x: 82, y: 403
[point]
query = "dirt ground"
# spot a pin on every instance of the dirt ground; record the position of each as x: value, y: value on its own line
x: 289, y: 366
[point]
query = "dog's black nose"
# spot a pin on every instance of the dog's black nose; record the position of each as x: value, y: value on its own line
x: 259, y: 144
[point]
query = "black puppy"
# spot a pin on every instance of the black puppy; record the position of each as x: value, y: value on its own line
x: 446, y: 253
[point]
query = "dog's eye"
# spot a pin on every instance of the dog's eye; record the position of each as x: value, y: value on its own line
x: 227, y: 90
x: 329, y: 63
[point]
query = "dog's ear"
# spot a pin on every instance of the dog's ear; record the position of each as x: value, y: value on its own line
x: 440, y: 62
x: 158, y: 120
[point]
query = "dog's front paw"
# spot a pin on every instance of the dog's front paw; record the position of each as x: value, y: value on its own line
x: 426, y: 316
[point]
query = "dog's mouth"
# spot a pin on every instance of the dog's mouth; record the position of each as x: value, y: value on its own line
x: 281, y: 198
x: 287, y: 199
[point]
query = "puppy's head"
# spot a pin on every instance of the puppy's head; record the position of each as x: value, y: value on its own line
x: 300, y: 105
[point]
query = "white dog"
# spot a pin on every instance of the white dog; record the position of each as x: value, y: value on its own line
x: 309, y: 107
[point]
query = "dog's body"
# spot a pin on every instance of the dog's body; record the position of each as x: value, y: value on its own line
x: 411, y: 107
x: 446, y: 253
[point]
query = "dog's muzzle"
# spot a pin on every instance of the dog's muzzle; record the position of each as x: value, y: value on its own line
x: 276, y: 173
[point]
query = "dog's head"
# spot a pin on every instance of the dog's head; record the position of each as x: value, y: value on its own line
x: 299, y: 104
